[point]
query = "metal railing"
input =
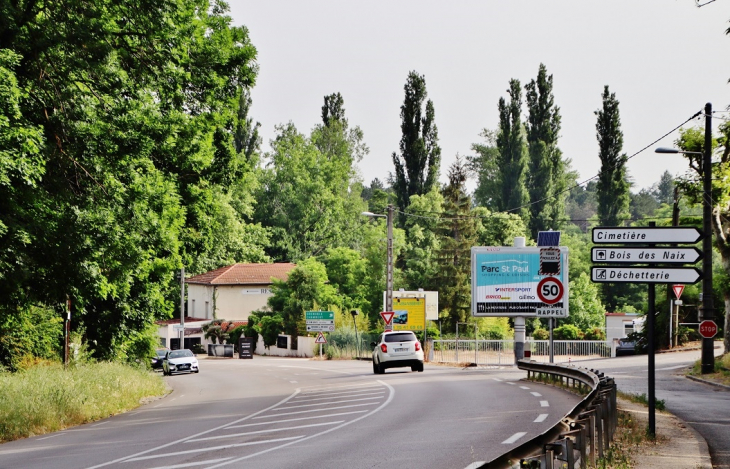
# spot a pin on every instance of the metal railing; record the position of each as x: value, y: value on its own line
x: 501, y: 352
x: 582, y: 436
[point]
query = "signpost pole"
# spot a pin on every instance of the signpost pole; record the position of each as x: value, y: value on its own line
x: 182, y: 308
x: 707, y: 310
x: 650, y: 345
x: 550, y: 345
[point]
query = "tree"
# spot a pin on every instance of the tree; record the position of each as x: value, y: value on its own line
x: 512, y: 162
x: 457, y: 234
x: 692, y: 187
x: 586, y: 310
x: 485, y: 164
x: 547, y: 170
x: 218, y: 330
x: 128, y: 112
x: 612, y: 187
x: 664, y: 189
x: 417, y: 165
x: 420, y: 268
x: 246, y: 136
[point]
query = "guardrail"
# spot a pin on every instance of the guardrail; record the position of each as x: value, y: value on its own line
x: 581, y: 436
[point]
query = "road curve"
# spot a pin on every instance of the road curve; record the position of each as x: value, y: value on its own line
x: 275, y: 412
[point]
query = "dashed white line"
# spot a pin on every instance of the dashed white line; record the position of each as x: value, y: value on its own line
x: 544, y: 404
x: 540, y: 418
x: 536, y: 394
x: 293, y: 382
x: 496, y: 379
x: 97, y: 424
x: 47, y: 437
x: 514, y: 438
x: 510, y: 382
x: 524, y: 387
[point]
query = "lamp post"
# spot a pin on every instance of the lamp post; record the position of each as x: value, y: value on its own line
x: 389, y: 265
x: 707, y: 310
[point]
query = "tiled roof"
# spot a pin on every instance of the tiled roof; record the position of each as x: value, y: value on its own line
x: 244, y: 274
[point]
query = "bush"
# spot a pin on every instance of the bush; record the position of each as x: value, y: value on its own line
x: 541, y: 334
x: 567, y: 332
x: 595, y: 334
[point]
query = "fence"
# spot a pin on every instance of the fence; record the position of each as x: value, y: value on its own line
x: 501, y: 352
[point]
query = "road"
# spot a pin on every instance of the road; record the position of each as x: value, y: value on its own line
x: 702, y: 406
x: 272, y: 412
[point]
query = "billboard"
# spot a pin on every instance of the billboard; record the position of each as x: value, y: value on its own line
x: 432, y: 301
x: 528, y: 282
x: 409, y: 314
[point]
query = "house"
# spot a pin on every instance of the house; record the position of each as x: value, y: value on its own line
x: 234, y: 291
x: 620, y: 325
x: 229, y: 293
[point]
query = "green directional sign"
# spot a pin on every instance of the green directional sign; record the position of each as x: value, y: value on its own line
x: 319, y: 315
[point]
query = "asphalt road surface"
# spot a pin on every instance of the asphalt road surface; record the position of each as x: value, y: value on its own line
x: 288, y: 413
x: 706, y: 408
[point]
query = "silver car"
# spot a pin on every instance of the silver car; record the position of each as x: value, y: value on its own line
x: 180, y: 361
x: 397, y: 349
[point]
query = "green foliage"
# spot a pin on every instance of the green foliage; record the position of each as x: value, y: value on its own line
x: 422, y: 241
x: 499, y: 228
x: 418, y: 164
x: 494, y: 328
x: 613, y: 186
x: 270, y: 327
x: 567, y: 332
x: 541, y: 334
x: 33, y: 331
x: 457, y: 234
x: 595, y: 334
x: 48, y: 398
x: 547, y: 177
x: 586, y: 310
x: 512, y: 161
x: 218, y: 331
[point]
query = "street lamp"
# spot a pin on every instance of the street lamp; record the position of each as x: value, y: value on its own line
x: 389, y: 266
x: 357, y: 341
x: 707, y: 310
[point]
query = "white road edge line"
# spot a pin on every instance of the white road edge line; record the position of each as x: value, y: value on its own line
x: 544, y: 404
x: 540, y: 418
x: 475, y: 464
x: 183, y: 440
x: 382, y: 406
x: 514, y: 438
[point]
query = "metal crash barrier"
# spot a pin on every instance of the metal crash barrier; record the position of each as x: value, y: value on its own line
x: 582, y: 436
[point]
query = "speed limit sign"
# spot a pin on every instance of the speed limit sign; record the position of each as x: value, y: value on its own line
x: 550, y: 290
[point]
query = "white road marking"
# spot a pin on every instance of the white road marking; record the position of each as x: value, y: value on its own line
x: 540, y: 418
x: 524, y: 387
x: 297, y: 406
x: 496, y: 379
x: 544, y: 404
x: 510, y: 382
x: 382, y: 406
x: 329, y: 398
x: 536, y: 394
x: 97, y: 424
x: 475, y: 464
x: 305, y: 395
x: 675, y: 367
x: 213, y: 448
x: 47, y: 437
x: 193, y: 464
x: 298, y: 418
x: 270, y: 430
x: 313, y: 410
x: 514, y: 438
x: 352, y: 387
x: 293, y: 382
x: 182, y: 440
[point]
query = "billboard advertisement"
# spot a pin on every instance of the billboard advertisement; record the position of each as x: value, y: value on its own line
x: 409, y: 314
x: 432, y: 301
x: 528, y: 282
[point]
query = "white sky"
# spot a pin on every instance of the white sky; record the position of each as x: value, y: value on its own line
x: 664, y: 59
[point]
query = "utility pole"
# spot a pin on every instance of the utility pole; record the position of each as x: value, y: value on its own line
x: 389, y: 267
x: 182, y: 308
x: 707, y: 310
x: 66, y: 332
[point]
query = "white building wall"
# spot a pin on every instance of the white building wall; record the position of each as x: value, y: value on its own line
x: 617, y: 326
x: 231, y: 302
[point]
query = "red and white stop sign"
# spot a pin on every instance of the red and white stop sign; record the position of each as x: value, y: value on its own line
x: 708, y: 329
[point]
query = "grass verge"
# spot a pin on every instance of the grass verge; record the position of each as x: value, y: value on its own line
x: 722, y: 370
x: 48, y: 398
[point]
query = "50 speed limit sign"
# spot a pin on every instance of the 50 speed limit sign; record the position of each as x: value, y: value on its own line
x: 550, y: 290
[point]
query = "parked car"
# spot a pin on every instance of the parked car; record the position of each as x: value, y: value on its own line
x: 180, y: 361
x: 395, y: 349
x: 158, y: 358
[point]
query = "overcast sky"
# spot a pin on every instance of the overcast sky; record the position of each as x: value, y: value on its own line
x: 664, y: 59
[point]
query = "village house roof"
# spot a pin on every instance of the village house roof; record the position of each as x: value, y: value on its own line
x: 244, y: 274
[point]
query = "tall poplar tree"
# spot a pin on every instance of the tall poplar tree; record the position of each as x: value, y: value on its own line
x: 547, y: 176
x: 417, y: 165
x: 457, y: 231
x: 512, y: 165
x: 613, y: 186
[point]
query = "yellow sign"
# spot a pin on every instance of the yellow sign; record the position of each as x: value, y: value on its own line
x: 410, y: 314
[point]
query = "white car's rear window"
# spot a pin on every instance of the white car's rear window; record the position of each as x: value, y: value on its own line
x: 401, y: 337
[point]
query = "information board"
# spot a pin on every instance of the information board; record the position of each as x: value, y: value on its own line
x: 509, y: 281
x: 409, y: 314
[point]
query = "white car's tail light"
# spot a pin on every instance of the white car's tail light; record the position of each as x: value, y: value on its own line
x: 384, y: 348
x: 418, y: 346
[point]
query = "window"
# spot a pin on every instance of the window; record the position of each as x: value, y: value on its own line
x: 628, y: 328
x: 400, y: 337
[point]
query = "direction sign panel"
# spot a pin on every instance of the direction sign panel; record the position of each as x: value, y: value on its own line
x: 646, y: 235
x: 505, y: 281
x: 320, y: 327
x: 708, y: 329
x: 614, y: 274
x: 319, y: 315
x: 634, y: 255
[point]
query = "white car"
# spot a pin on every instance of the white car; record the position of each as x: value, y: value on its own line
x: 396, y: 349
x: 180, y: 360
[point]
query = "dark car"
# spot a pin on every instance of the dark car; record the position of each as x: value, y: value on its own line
x: 625, y: 347
x: 156, y: 360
